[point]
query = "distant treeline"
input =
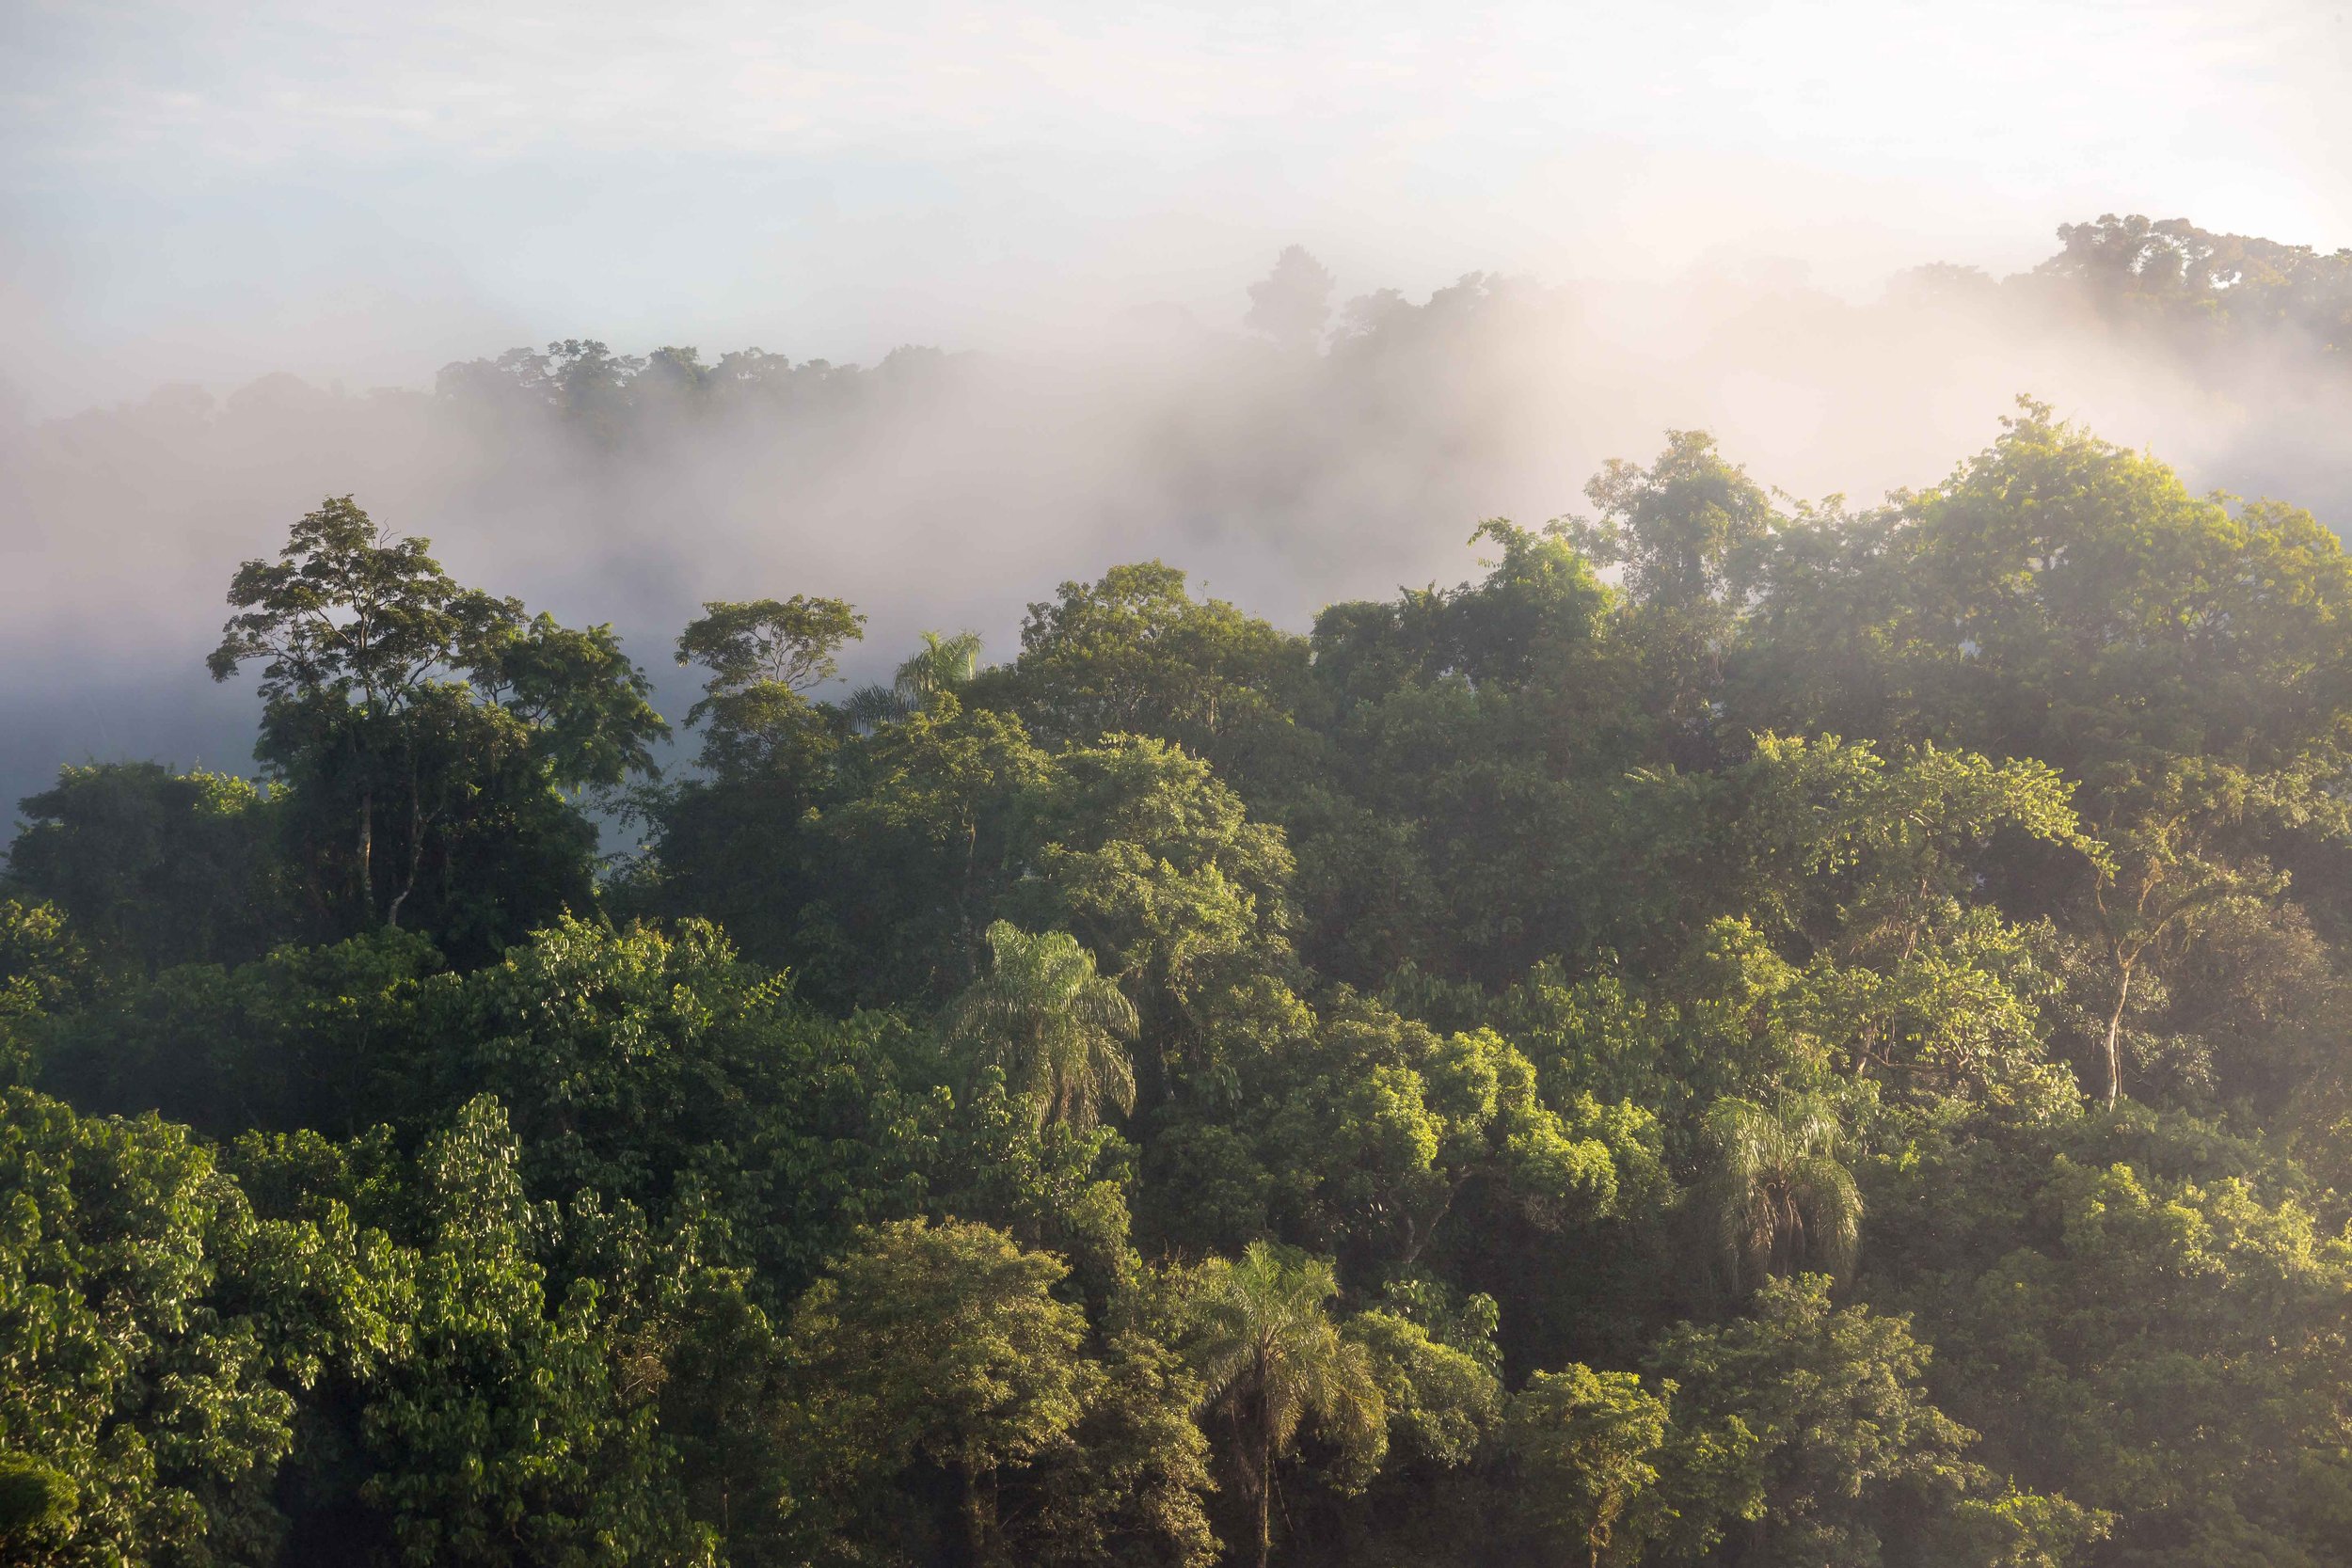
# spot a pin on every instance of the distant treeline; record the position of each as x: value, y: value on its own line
x: 2208, y: 297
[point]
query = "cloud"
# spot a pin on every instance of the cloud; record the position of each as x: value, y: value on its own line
x: 277, y: 80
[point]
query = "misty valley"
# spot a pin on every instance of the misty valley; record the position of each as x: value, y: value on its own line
x: 1744, y: 1033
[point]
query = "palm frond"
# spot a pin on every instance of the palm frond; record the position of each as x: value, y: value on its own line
x: 870, y: 707
x: 943, y: 663
x: 1269, y: 1342
x: 1050, y: 1024
x: 1777, y: 1196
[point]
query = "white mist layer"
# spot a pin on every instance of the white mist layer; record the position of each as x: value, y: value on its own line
x: 948, y: 491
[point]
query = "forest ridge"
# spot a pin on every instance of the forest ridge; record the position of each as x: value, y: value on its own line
x: 1750, y: 1033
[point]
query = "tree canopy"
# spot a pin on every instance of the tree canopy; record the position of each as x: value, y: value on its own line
x: 1747, y: 1034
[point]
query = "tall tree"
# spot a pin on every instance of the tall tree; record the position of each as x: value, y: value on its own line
x: 941, y: 1342
x: 764, y: 657
x: 2162, y: 871
x: 944, y: 664
x: 436, y: 724
x: 1293, y: 301
x: 1274, y: 1360
x: 1804, y: 1433
x: 1776, y: 1197
x: 1053, y: 1026
x: 1586, y: 1445
x: 1691, y: 532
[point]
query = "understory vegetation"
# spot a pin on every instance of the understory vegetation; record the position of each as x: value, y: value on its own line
x: 1749, y: 1034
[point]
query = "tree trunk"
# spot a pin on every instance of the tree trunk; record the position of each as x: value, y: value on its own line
x: 2115, y: 1038
x: 367, y: 851
x: 1418, y: 1234
x: 1265, y: 1501
x: 963, y: 899
x: 416, y: 843
x: 978, y: 1533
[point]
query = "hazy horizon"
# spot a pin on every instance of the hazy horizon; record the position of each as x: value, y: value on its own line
x: 321, y: 189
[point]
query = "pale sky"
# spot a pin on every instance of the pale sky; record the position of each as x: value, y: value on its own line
x: 206, y: 191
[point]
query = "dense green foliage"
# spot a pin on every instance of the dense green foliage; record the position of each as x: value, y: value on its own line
x: 1749, y: 1034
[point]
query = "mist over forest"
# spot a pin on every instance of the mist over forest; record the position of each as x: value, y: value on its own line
x: 1333, y: 439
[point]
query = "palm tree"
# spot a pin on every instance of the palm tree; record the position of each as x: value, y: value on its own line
x: 870, y: 707
x: 1778, y: 1198
x: 941, y: 664
x: 1052, y: 1023
x: 1271, y: 1357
